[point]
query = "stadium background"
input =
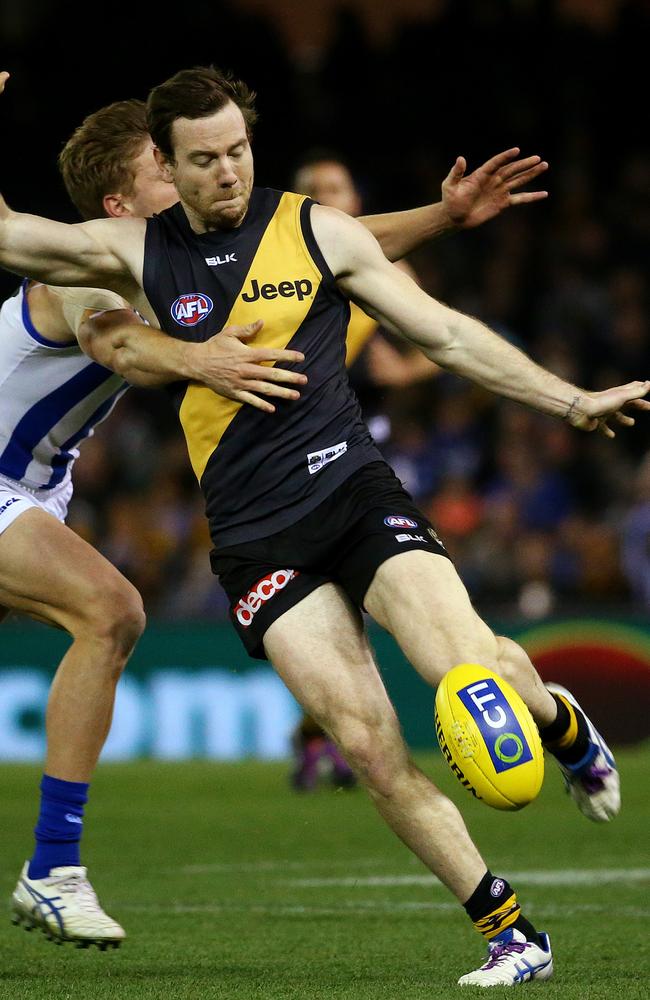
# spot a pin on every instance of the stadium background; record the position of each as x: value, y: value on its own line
x: 548, y: 527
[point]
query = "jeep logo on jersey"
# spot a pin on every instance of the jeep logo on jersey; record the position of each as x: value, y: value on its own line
x: 286, y: 290
x: 399, y: 521
x: 266, y: 588
x: 191, y: 308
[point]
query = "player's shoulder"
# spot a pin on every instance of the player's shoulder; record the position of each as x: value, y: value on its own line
x: 341, y: 239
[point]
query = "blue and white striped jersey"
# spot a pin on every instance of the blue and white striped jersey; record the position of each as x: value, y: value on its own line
x: 52, y: 396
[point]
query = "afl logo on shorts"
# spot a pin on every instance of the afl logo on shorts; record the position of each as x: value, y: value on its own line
x: 398, y: 521
x: 191, y: 308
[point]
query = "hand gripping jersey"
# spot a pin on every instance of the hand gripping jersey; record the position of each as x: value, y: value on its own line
x: 260, y: 472
x: 51, y: 398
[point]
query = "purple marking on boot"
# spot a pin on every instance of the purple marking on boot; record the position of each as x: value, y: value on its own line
x: 499, y: 951
x: 593, y: 778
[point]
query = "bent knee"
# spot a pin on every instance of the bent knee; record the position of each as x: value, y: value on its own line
x: 115, y: 614
x: 375, y: 750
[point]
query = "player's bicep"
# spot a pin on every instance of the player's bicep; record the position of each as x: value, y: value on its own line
x: 87, y: 253
x: 380, y: 288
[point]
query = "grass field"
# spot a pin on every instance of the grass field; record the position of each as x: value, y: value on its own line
x: 231, y: 886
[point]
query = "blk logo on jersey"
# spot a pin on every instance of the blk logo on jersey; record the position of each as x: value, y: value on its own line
x: 399, y: 521
x: 191, y: 308
x: 215, y: 261
x: 299, y: 289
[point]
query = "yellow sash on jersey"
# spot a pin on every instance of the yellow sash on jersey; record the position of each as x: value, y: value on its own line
x: 360, y: 330
x: 282, y: 256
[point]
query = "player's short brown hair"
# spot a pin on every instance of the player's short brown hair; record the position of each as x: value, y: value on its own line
x: 195, y: 93
x: 97, y: 159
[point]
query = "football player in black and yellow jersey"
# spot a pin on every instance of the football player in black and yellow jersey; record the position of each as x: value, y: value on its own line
x: 309, y: 524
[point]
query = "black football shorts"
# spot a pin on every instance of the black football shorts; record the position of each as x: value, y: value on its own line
x: 364, y: 522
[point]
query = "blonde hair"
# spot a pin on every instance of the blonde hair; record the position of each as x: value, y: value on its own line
x: 97, y: 159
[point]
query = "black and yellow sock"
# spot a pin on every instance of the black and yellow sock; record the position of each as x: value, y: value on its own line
x: 493, y: 908
x: 567, y: 737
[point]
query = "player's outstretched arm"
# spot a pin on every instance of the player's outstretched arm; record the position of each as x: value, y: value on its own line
x: 468, y: 200
x: 458, y: 342
x: 225, y: 363
x: 89, y: 253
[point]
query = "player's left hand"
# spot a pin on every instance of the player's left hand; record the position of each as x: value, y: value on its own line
x: 4, y: 76
x: 474, y: 199
x: 593, y: 411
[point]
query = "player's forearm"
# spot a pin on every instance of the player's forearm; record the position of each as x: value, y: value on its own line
x: 474, y: 351
x: 142, y: 355
x: 398, y: 233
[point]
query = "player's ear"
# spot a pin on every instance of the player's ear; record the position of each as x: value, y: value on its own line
x: 163, y: 165
x: 114, y: 206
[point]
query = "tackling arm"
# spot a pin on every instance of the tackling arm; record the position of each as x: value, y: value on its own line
x: 458, y: 342
x: 146, y: 357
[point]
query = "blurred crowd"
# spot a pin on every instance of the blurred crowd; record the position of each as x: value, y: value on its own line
x: 538, y: 517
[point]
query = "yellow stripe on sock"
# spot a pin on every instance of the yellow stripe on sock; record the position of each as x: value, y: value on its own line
x: 569, y: 738
x: 499, y: 919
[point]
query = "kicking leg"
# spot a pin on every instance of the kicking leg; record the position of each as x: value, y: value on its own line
x: 436, y: 626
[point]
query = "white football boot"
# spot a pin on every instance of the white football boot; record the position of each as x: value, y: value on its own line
x: 64, y: 906
x: 593, y: 782
x: 512, y: 961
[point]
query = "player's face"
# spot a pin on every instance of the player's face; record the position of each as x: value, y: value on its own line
x: 152, y: 190
x: 213, y: 168
x: 331, y: 184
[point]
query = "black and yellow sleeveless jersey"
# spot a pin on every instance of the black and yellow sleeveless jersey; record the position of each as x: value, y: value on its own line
x: 260, y: 472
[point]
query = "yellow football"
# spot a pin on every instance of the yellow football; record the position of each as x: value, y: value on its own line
x: 488, y: 737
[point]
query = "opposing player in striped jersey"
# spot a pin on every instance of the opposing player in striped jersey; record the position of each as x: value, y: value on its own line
x: 52, y: 396
x: 74, y: 587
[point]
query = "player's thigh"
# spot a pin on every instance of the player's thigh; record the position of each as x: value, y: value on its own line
x: 419, y: 597
x: 48, y: 571
x: 320, y: 650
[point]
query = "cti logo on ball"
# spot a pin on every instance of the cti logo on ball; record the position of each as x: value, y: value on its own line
x: 497, y: 724
x: 191, y: 308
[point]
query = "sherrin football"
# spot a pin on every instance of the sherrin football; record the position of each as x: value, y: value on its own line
x: 488, y: 737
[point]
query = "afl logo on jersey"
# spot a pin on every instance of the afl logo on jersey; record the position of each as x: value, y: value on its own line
x: 399, y: 521
x: 191, y: 308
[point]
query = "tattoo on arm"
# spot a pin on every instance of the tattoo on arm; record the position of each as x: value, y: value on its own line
x: 571, y: 410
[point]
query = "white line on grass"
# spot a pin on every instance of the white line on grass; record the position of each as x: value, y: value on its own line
x: 558, y: 876
x: 365, y: 907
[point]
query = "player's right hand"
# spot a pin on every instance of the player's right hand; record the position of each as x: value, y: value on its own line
x: 593, y: 411
x: 228, y: 365
x: 4, y: 76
